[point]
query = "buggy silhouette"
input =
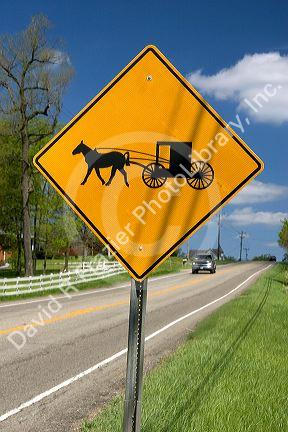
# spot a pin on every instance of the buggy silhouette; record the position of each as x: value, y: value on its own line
x: 199, y: 174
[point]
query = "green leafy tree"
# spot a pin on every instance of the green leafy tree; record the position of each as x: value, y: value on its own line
x: 90, y: 243
x: 10, y: 198
x: 263, y: 257
x: 33, y: 77
x: 44, y: 203
x: 283, y: 235
x: 63, y: 232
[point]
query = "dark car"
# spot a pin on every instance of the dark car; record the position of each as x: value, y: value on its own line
x: 204, y: 263
x: 272, y: 258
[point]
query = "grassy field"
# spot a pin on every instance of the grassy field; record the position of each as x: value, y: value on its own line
x: 56, y: 265
x: 230, y: 376
x: 171, y: 265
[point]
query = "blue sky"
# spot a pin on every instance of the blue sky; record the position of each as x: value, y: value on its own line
x: 102, y: 37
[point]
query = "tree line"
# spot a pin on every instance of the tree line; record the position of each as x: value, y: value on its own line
x: 283, y: 238
x: 34, y: 74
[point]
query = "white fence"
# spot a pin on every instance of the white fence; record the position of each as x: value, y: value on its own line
x: 53, y: 281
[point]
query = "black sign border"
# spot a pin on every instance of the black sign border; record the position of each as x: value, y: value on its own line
x: 78, y: 117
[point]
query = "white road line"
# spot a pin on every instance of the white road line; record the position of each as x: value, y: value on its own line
x: 173, y: 323
x: 120, y: 353
x: 97, y: 291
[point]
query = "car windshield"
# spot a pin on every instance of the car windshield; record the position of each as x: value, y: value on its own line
x: 203, y: 257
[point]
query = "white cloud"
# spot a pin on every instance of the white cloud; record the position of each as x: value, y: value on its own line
x: 247, y: 216
x: 247, y: 78
x: 259, y: 192
x: 272, y: 244
x: 57, y: 57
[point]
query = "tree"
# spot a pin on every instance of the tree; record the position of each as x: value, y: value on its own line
x: 43, y: 204
x: 90, y: 243
x: 263, y: 257
x: 10, y: 198
x: 63, y: 232
x: 49, y: 210
x: 33, y: 77
x: 283, y: 235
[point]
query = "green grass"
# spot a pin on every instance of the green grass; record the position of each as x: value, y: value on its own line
x: 172, y: 265
x: 101, y: 283
x: 11, y: 273
x: 54, y: 265
x: 230, y: 376
x: 8, y: 273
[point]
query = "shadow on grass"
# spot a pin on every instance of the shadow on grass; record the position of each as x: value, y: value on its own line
x: 207, y: 384
x: 282, y: 276
x: 279, y: 280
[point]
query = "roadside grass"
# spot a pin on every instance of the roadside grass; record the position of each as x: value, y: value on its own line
x: 8, y: 273
x: 101, y: 283
x: 54, y: 265
x: 230, y: 375
x: 172, y: 265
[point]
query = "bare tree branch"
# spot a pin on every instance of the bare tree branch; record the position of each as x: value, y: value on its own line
x: 36, y: 88
x: 38, y: 113
x: 8, y: 72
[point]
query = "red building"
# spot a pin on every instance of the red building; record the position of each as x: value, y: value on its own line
x: 3, y: 255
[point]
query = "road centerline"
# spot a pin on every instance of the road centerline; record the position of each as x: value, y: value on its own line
x: 86, y: 311
x: 119, y: 354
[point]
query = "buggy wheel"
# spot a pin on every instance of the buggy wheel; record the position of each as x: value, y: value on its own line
x: 152, y: 175
x: 202, y: 175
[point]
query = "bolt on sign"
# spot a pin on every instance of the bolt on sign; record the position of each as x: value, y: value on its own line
x: 147, y: 162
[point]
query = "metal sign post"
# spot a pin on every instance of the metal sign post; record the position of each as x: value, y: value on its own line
x: 135, y: 357
x: 133, y: 112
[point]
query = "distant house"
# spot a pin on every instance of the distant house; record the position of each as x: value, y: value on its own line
x: 4, y: 255
x: 210, y: 251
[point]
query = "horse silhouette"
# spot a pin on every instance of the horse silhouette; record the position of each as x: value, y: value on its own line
x: 97, y: 160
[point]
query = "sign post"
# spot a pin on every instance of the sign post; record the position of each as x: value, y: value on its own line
x: 135, y: 356
x: 145, y: 164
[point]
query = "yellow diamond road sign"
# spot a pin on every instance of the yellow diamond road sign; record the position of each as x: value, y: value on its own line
x: 147, y: 162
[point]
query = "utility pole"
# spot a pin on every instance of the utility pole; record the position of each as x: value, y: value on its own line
x: 246, y: 252
x: 188, y: 249
x: 242, y: 236
x: 219, y: 236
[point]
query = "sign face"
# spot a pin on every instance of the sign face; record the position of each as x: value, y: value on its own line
x: 147, y: 162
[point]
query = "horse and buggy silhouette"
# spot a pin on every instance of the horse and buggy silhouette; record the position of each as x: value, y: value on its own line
x: 155, y: 169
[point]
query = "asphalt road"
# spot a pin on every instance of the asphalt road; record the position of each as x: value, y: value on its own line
x: 72, y: 361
